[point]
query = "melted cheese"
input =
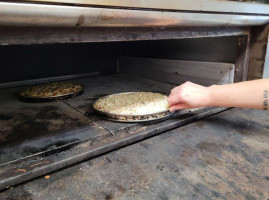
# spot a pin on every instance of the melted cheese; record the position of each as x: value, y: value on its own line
x: 136, y: 103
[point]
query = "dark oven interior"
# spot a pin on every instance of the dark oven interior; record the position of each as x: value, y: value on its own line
x: 37, y: 138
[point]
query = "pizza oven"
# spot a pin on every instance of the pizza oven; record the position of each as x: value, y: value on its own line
x: 112, y: 48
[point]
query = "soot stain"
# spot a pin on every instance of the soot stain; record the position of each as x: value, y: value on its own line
x: 19, y: 193
x: 5, y: 117
x: 95, y: 97
x: 108, y: 160
x: 250, y: 197
x: 244, y: 126
x: 26, y: 130
x: 28, y: 127
x: 253, y: 159
x: 43, y: 114
x: 144, y: 145
x: 49, y: 108
x: 208, y: 146
x: 120, y: 188
x: 89, y: 114
x: 80, y: 20
x: 108, y: 196
x: 162, y: 195
x: 200, y: 124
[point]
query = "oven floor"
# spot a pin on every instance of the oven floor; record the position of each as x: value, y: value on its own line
x: 225, y: 156
x: 37, y: 127
x: 30, y: 128
x: 37, y: 138
x: 104, y: 85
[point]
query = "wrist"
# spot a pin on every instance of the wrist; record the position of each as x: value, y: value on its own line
x: 211, y: 95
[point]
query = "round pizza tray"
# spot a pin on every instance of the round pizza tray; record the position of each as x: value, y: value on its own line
x: 50, y: 98
x: 163, y: 115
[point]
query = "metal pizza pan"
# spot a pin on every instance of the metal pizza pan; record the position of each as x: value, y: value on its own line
x: 54, y: 98
x: 165, y: 114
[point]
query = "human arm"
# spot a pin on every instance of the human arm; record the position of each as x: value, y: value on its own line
x: 248, y: 94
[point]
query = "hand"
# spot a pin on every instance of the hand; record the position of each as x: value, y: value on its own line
x: 189, y: 95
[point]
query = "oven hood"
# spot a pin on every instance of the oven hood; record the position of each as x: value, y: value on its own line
x: 42, y: 15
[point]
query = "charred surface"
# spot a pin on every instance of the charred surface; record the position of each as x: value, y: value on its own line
x: 33, y: 128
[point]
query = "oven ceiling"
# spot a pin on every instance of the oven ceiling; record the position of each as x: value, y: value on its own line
x: 40, y: 15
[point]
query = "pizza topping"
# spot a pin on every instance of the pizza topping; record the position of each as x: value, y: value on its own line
x: 51, y: 90
x: 135, y: 103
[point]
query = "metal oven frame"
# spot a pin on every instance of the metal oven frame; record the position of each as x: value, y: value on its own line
x: 48, y: 22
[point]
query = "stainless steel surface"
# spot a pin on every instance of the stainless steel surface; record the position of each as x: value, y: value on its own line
x: 189, y: 5
x: 131, y: 118
x: 23, y: 14
x: 178, y: 71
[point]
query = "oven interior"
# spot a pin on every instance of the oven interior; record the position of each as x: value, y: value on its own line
x: 37, y: 138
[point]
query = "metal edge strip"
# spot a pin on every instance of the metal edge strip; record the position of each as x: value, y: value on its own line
x: 41, y: 15
x: 46, y: 80
x: 187, y: 5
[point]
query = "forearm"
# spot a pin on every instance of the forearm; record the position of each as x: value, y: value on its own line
x: 249, y: 94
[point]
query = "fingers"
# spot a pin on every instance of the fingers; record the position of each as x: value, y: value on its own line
x: 178, y: 88
x: 178, y: 107
x: 174, y: 99
x: 176, y: 94
x: 175, y: 90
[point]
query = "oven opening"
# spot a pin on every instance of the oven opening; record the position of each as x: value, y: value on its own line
x: 42, y: 137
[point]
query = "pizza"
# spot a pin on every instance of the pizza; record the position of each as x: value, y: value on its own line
x: 49, y: 90
x: 133, y: 103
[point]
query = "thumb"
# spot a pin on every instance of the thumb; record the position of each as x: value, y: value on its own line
x: 179, y: 106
